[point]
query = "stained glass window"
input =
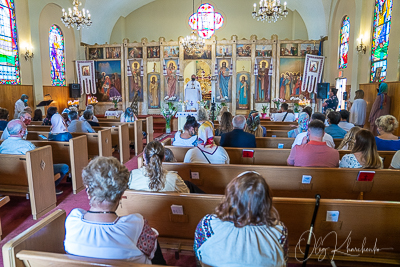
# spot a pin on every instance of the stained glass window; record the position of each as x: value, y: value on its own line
x: 57, y: 60
x: 380, y: 39
x: 9, y: 61
x: 205, y: 21
x: 344, y: 42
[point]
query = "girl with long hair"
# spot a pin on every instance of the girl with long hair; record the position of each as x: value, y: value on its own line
x: 188, y: 137
x: 349, y: 139
x: 225, y: 125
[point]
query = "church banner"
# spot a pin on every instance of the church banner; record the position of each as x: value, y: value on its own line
x: 313, y: 67
x: 86, y: 76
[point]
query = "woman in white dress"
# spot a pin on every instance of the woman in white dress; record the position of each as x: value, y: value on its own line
x: 358, y: 111
x: 99, y: 232
x: 152, y: 176
x: 188, y: 137
x: 245, y: 229
x: 364, y: 153
x: 206, y: 150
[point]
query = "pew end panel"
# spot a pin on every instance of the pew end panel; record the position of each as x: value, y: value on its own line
x: 149, y: 129
x: 138, y: 137
x: 104, y: 144
x: 46, y: 235
x: 3, y: 200
x: 78, y: 150
x: 124, y: 149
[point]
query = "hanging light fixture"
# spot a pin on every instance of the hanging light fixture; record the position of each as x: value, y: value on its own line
x: 269, y: 10
x: 193, y: 42
x: 75, y: 17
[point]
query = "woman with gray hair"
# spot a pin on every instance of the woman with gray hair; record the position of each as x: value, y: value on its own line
x: 100, y: 232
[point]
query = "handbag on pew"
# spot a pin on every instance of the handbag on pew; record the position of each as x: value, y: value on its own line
x: 205, y: 156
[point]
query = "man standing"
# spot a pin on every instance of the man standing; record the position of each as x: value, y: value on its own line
x: 238, y: 137
x: 20, y: 105
x: 193, y: 93
x: 315, y: 153
x: 15, y: 145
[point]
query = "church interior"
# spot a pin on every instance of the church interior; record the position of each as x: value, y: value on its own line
x: 269, y: 128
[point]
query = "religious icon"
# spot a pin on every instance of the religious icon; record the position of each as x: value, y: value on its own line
x: 289, y: 49
x: 135, y: 52
x: 204, y: 53
x: 153, y: 52
x: 263, y: 50
x: 171, y: 51
x: 113, y: 52
x: 172, y: 80
x: 291, y: 71
x: 96, y: 53
x: 108, y: 76
x: 313, y: 66
x: 85, y: 71
x: 263, y: 83
x: 135, y: 81
x: 243, y: 50
x: 224, y: 80
x: 309, y: 49
x: 243, y: 85
x: 224, y: 50
x: 154, y: 92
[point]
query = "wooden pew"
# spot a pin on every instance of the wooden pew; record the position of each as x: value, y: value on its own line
x: 98, y: 144
x: 267, y: 156
x: 356, y: 220
x: 73, y: 153
x: 42, y: 245
x: 3, y: 200
x: 261, y: 142
x: 149, y: 129
x: 31, y: 174
x: 286, y: 181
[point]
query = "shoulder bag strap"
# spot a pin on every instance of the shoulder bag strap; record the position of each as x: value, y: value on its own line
x: 205, y: 155
x: 284, y: 117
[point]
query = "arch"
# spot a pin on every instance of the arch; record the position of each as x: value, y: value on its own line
x: 344, y: 42
x: 9, y: 58
x: 380, y: 39
x: 57, y: 59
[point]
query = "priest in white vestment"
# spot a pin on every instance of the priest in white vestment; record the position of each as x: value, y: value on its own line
x: 193, y: 94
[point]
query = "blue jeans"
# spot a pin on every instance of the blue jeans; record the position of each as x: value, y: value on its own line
x: 62, y: 169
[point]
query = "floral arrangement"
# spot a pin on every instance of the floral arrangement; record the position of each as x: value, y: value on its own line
x: 278, y: 101
x: 296, y: 107
x: 73, y: 103
x: 264, y: 109
x: 115, y: 100
x: 219, y: 107
x: 92, y: 100
x: 168, y: 113
x: 203, y: 104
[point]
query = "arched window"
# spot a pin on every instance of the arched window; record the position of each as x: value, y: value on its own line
x: 205, y: 21
x: 344, y: 42
x: 380, y: 39
x: 9, y: 60
x: 57, y: 60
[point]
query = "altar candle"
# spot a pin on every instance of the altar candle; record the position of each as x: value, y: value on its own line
x: 255, y: 7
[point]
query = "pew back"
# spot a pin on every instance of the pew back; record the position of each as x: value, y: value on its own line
x: 30, y: 174
x: 287, y: 181
x: 3, y: 200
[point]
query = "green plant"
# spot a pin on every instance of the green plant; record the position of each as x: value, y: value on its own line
x: 296, y: 108
x: 264, y: 109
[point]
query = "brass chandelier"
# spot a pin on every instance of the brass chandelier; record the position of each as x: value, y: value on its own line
x: 269, y: 10
x: 75, y: 17
x: 192, y: 43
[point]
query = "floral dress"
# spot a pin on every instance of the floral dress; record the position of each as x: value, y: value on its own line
x: 349, y: 161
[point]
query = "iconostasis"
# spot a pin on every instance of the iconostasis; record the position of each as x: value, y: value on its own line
x: 246, y: 74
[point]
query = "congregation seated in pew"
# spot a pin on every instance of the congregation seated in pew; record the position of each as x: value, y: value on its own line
x: 16, y: 145
x: 206, y: 150
x: 386, y: 140
x: 78, y: 126
x: 225, y: 124
x: 188, y: 137
x: 302, y: 138
x: 314, y: 153
x: 253, y: 125
x: 169, y: 155
x: 59, y: 130
x: 64, y: 114
x: 333, y: 129
x: 23, y: 116
x: 37, y: 115
x: 128, y: 116
x: 248, y: 226
x: 344, y: 120
x: 395, y: 164
x: 4, y: 115
x: 100, y: 232
x: 50, y: 112
x: 238, y: 137
x: 88, y: 116
x: 284, y: 114
x: 89, y: 108
x: 152, y: 176
x: 304, y: 120
x: 364, y: 153
x: 349, y: 139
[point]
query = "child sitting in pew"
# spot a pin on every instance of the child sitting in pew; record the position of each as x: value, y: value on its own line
x: 59, y: 130
x: 100, y: 232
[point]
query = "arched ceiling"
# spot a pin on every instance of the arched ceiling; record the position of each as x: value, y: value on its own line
x: 105, y: 14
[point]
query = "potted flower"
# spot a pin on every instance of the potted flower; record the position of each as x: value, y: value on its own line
x: 115, y: 100
x: 278, y: 101
x: 168, y: 113
x: 264, y: 111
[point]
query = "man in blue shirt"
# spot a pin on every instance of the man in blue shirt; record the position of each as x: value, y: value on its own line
x: 15, y: 145
x: 238, y: 137
x: 333, y: 129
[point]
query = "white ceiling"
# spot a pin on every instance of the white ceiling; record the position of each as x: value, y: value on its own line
x: 105, y: 14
